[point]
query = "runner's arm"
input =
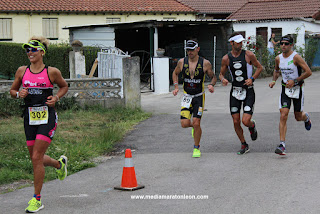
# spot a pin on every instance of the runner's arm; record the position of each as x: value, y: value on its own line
x: 223, y: 69
x: 14, y: 91
x: 209, y: 71
x: 256, y: 63
x: 299, y: 61
x: 56, y: 77
x: 276, y: 72
x: 175, y: 77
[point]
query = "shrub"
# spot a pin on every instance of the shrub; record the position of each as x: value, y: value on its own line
x: 258, y: 46
x: 57, y: 56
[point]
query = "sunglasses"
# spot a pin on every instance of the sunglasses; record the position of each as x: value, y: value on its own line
x: 285, y: 43
x: 33, y: 50
x: 35, y: 43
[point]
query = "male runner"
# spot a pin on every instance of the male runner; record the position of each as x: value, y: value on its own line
x: 239, y: 63
x: 193, y: 68
x: 290, y: 64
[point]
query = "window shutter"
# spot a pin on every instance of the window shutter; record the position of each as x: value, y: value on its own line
x: 5, y: 29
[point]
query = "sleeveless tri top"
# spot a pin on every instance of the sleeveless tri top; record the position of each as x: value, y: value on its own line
x: 239, y: 69
x: 193, y: 85
x: 39, y: 87
x: 289, y: 70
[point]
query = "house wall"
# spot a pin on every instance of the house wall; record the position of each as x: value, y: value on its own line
x: 288, y: 27
x: 97, y: 36
x: 25, y: 26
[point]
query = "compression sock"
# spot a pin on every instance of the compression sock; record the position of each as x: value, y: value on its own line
x: 38, y: 197
x: 307, y: 120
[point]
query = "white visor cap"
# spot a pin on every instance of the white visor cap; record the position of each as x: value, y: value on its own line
x: 237, y: 38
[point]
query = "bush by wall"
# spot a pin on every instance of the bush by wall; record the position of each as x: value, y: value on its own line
x: 258, y: 46
x: 13, y: 56
x: 58, y: 56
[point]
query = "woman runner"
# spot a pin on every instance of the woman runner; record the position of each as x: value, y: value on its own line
x: 40, y: 117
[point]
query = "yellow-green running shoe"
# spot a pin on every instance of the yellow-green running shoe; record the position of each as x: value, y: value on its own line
x: 34, y: 206
x: 192, y: 132
x: 196, y: 153
x: 62, y: 172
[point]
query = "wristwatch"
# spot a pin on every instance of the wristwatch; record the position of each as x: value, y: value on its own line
x: 296, y: 82
x: 252, y: 79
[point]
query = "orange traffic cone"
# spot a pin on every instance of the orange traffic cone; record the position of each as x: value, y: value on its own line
x: 129, y: 181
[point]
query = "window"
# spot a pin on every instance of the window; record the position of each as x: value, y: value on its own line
x: 263, y: 32
x: 278, y: 32
x: 113, y: 20
x: 5, y: 29
x: 50, y: 28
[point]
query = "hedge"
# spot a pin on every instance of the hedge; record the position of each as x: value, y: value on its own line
x: 13, y: 56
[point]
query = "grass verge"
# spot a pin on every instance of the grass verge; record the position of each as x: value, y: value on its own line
x: 81, y: 135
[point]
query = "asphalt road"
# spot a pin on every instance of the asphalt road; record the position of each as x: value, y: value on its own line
x: 258, y: 182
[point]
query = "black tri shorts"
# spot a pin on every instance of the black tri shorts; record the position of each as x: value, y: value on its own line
x: 43, y: 132
x: 285, y: 101
x: 248, y: 103
x: 196, y: 108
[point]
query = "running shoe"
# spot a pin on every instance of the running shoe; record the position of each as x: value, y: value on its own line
x: 192, y: 132
x: 280, y: 150
x: 307, y: 125
x: 253, y: 131
x: 244, y: 149
x: 34, y: 206
x: 62, y: 172
x: 196, y: 153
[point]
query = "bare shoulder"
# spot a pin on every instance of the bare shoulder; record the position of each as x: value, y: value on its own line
x: 20, y: 71
x: 206, y: 62
x: 297, y: 57
x: 225, y: 59
x: 22, y: 68
x: 54, y: 74
x: 53, y: 70
x: 298, y: 60
x: 181, y: 61
x: 250, y: 53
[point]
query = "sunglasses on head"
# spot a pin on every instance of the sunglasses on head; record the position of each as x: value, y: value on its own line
x: 284, y: 43
x: 35, y: 43
x: 33, y: 50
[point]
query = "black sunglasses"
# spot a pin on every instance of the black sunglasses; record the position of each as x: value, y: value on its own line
x: 35, y: 43
x: 33, y: 50
x: 284, y: 43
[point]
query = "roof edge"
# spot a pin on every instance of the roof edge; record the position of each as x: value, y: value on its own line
x: 91, y: 12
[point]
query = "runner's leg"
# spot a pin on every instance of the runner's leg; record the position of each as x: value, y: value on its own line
x: 197, y: 130
x: 37, y: 156
x: 237, y: 126
x: 283, y: 123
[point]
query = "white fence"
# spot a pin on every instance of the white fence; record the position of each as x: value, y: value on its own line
x: 110, y: 64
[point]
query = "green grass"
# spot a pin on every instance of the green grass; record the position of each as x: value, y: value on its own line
x: 81, y: 135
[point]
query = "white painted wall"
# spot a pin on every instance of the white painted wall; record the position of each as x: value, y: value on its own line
x: 288, y: 27
x: 97, y: 36
x: 25, y: 26
x: 161, y: 75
